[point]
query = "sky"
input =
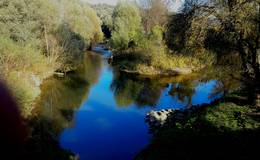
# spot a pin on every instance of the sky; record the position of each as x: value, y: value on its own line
x: 175, y: 7
x: 111, y: 2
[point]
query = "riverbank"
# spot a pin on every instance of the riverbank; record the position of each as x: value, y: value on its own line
x: 142, y: 63
x: 218, y: 130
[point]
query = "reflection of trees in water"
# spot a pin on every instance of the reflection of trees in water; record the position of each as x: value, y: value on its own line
x: 91, y: 68
x: 183, y: 91
x: 150, y: 94
x: 147, y: 92
x: 61, y: 96
x: 224, y: 86
x: 128, y: 90
x: 55, y: 107
x: 227, y: 79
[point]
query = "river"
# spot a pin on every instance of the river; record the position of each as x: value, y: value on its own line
x: 97, y: 113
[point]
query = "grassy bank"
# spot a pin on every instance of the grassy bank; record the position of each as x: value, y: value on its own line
x: 159, y: 62
x: 216, y: 131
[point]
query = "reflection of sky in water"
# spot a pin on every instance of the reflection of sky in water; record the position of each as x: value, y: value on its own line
x: 201, y: 95
x: 203, y: 92
x: 104, y: 131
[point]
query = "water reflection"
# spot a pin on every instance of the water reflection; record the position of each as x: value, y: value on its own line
x: 183, y: 91
x: 59, y: 98
x: 110, y: 123
x: 148, y: 92
x: 128, y: 91
x: 187, y: 90
x: 98, y: 112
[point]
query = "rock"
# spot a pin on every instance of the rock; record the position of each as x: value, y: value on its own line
x: 165, y: 117
x: 158, y: 118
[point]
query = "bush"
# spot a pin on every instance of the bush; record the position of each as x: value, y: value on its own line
x: 39, y: 37
x: 22, y: 68
x: 232, y: 117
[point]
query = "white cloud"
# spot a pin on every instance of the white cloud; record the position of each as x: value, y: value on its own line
x: 175, y: 6
x: 111, y: 2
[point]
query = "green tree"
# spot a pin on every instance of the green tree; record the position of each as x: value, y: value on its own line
x: 105, y: 12
x: 126, y: 26
x: 39, y: 37
x: 222, y: 27
x: 154, y: 13
x: 240, y: 22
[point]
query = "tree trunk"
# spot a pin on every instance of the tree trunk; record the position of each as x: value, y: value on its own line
x: 46, y: 39
x: 258, y: 49
x: 258, y: 60
x: 257, y: 100
x: 242, y: 53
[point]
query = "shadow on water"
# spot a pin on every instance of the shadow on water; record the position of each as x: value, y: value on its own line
x: 59, y: 99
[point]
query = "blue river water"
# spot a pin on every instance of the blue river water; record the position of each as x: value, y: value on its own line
x: 110, y: 125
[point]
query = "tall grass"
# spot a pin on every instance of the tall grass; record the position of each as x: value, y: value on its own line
x: 153, y: 58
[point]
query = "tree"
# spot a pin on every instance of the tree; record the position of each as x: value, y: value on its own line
x: 105, y: 12
x: 222, y: 27
x: 126, y: 25
x: 183, y: 31
x: 154, y: 13
x: 240, y: 21
x: 39, y: 37
x: 82, y: 20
